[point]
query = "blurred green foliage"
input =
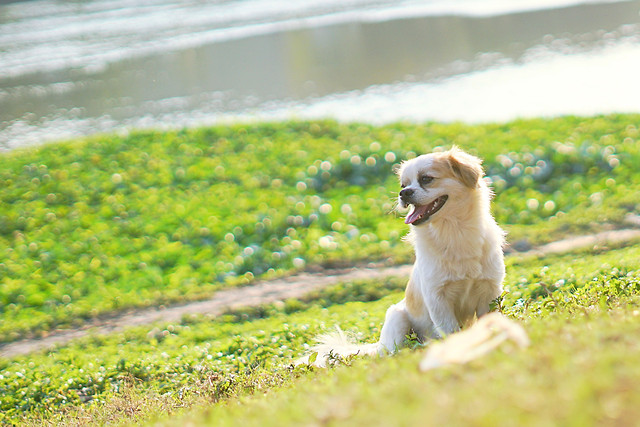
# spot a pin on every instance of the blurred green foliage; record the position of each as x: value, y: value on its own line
x: 230, y: 351
x: 115, y: 222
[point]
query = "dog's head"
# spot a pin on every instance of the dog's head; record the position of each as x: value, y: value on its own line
x: 435, y: 183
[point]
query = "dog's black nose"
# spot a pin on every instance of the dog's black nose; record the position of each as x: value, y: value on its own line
x: 406, y: 193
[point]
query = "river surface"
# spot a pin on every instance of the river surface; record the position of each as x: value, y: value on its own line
x: 71, y: 68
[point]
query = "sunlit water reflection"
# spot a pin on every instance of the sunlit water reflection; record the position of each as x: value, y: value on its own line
x: 75, y: 68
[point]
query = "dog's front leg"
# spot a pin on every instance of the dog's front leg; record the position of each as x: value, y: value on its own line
x: 395, y: 328
x: 442, y: 315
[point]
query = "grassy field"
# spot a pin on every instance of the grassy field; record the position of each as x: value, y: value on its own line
x: 581, y: 370
x: 109, y: 223
x: 581, y: 311
x: 115, y: 222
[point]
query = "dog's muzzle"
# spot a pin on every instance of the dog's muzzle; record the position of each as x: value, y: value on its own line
x: 406, y: 195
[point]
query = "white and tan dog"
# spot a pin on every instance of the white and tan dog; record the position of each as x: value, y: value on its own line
x: 459, y: 264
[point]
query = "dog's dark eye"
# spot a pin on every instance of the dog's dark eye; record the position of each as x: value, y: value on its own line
x: 425, y: 179
x: 403, y: 185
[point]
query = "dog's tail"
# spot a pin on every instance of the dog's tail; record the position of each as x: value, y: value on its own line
x: 337, y: 345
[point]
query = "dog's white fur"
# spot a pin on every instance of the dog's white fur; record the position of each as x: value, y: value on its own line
x: 459, y: 264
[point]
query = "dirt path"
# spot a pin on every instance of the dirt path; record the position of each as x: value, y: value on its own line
x: 270, y: 291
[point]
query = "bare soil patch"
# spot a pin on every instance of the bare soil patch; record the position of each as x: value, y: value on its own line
x: 270, y: 291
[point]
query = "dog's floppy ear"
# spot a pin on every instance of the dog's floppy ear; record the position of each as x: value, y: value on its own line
x: 465, y: 167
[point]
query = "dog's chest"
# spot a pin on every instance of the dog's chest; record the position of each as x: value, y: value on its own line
x: 449, y: 267
x: 464, y: 296
x: 444, y: 255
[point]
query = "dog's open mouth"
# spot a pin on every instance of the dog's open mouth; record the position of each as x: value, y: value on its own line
x: 420, y: 214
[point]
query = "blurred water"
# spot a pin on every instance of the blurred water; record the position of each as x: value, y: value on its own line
x: 71, y: 68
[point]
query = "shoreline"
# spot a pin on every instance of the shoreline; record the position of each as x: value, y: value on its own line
x: 577, y: 60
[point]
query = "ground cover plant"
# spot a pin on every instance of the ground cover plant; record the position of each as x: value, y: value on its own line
x: 581, y: 369
x: 147, y: 372
x: 114, y: 222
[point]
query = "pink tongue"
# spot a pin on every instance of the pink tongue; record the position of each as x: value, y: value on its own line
x: 418, y: 211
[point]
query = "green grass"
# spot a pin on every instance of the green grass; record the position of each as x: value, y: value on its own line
x: 114, y: 222
x: 582, y: 369
x: 579, y: 309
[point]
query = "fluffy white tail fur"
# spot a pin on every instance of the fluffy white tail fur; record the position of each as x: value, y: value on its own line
x: 338, y: 345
